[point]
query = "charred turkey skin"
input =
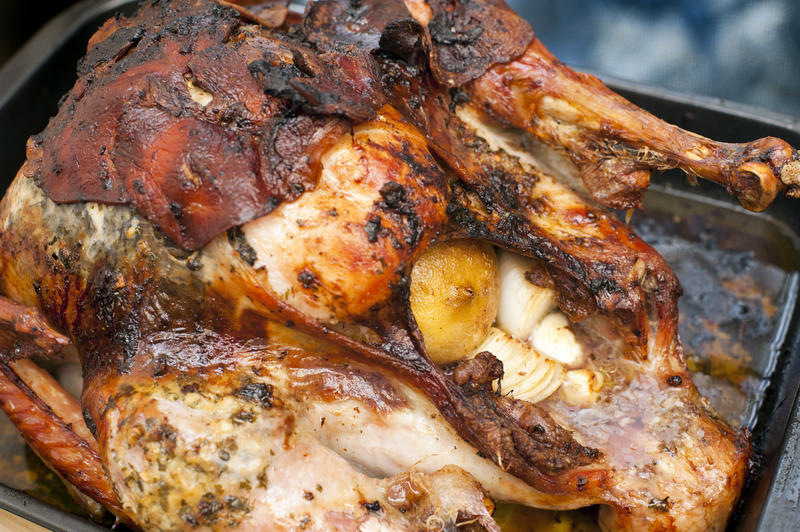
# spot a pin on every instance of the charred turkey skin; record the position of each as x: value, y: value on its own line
x: 221, y: 223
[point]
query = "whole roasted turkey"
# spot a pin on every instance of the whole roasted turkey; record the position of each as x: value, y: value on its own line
x: 224, y: 222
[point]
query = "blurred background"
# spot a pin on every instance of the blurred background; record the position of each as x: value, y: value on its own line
x: 742, y: 50
x: 20, y: 19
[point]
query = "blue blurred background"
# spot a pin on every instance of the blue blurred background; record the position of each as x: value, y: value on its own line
x: 742, y: 50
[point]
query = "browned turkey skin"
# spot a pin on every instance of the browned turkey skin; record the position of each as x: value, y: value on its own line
x: 221, y: 222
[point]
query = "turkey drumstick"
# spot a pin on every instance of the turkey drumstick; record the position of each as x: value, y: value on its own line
x: 47, y: 416
x: 616, y: 145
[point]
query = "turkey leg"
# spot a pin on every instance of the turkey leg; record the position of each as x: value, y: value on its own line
x: 46, y: 415
x: 615, y: 144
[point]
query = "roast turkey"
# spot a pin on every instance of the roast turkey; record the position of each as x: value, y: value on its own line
x: 227, y: 222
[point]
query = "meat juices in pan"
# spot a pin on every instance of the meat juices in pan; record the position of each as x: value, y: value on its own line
x: 222, y: 224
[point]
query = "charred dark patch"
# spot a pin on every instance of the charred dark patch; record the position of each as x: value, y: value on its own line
x: 501, y: 189
x: 307, y: 278
x: 406, y: 353
x: 291, y: 148
x: 374, y: 506
x: 394, y: 195
x: 111, y: 49
x: 605, y: 286
x: 176, y: 210
x: 339, y: 82
x: 465, y: 218
x: 110, y: 297
x: 396, y: 203
x: 373, y: 228
x: 404, y: 38
x: 89, y: 420
x: 401, y: 283
x: 445, y: 28
x: 463, y: 39
x: 275, y: 79
x: 674, y: 380
x: 238, y: 241
x: 469, y: 36
x: 113, y: 297
x: 258, y: 393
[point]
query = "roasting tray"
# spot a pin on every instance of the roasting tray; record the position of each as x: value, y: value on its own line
x: 34, y: 80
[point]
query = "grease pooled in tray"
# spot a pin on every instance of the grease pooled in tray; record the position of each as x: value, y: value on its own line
x: 739, y: 277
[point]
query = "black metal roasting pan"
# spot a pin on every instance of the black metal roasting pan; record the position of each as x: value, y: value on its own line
x: 34, y: 80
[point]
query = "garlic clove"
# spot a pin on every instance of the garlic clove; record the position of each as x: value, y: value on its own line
x: 554, y: 339
x: 522, y: 303
x: 581, y: 387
